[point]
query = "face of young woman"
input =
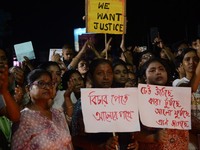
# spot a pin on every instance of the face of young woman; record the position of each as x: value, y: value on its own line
x: 120, y: 74
x: 77, y: 82
x: 56, y: 74
x: 145, y: 57
x: 131, y: 82
x: 103, y: 76
x: 83, y: 67
x: 156, y: 74
x: 190, y: 62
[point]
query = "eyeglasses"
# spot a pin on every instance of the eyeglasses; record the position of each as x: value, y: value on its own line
x: 42, y: 84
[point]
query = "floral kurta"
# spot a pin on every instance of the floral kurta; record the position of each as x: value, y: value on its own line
x: 178, y: 140
x: 37, y: 132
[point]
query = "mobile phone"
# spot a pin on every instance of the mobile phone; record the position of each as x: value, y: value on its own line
x: 142, y: 48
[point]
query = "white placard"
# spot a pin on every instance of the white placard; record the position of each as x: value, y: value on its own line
x: 165, y: 106
x: 110, y: 109
x: 24, y: 49
x: 57, y: 50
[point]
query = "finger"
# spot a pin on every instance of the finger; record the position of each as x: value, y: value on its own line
x: 27, y: 60
x: 54, y: 51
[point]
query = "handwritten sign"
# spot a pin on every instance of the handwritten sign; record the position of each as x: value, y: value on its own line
x: 165, y: 107
x: 57, y: 50
x: 24, y: 49
x: 110, y: 109
x: 106, y: 16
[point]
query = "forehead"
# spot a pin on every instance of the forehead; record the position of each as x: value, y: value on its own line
x: 155, y: 64
x: 75, y: 75
x: 44, y: 77
x: 103, y: 66
x: 119, y: 66
x: 131, y: 75
x: 82, y: 61
x: 183, y: 45
x: 67, y: 50
x: 190, y: 53
x: 53, y: 68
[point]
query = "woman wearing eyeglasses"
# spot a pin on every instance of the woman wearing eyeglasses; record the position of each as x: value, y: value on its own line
x: 41, y: 126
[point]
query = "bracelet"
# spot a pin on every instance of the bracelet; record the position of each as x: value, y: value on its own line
x: 70, y: 107
x: 69, y: 119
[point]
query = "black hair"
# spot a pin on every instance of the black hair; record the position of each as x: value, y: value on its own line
x: 35, y: 74
x: 117, y: 62
x: 193, y: 39
x: 179, y: 43
x: 84, y: 59
x: 66, y: 77
x: 177, y: 61
x: 96, y: 62
x: 47, y: 64
x: 67, y: 46
x: 185, y: 51
x: 156, y: 59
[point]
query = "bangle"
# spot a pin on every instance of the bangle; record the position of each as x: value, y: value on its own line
x: 70, y: 107
x: 69, y: 119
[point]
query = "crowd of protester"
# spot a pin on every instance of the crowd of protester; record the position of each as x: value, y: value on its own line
x: 40, y: 105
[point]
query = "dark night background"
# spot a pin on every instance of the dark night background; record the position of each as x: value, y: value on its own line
x: 51, y: 24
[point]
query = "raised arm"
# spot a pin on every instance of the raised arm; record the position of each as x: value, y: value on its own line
x: 27, y: 63
x: 68, y: 105
x: 73, y: 64
x: 91, y: 46
x: 11, y: 110
x: 104, y: 53
x: 127, y: 53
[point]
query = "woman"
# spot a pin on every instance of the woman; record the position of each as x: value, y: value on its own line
x: 120, y: 73
x: 120, y: 78
x: 9, y: 107
x: 73, y: 82
x: 190, y: 61
x: 9, y: 110
x: 155, y: 72
x: 101, y: 72
x: 41, y: 127
x: 55, y: 70
x: 83, y: 67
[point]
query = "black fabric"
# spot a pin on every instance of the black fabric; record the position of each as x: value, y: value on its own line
x: 4, y: 144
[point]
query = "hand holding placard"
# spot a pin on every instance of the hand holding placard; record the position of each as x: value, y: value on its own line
x: 24, y: 49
